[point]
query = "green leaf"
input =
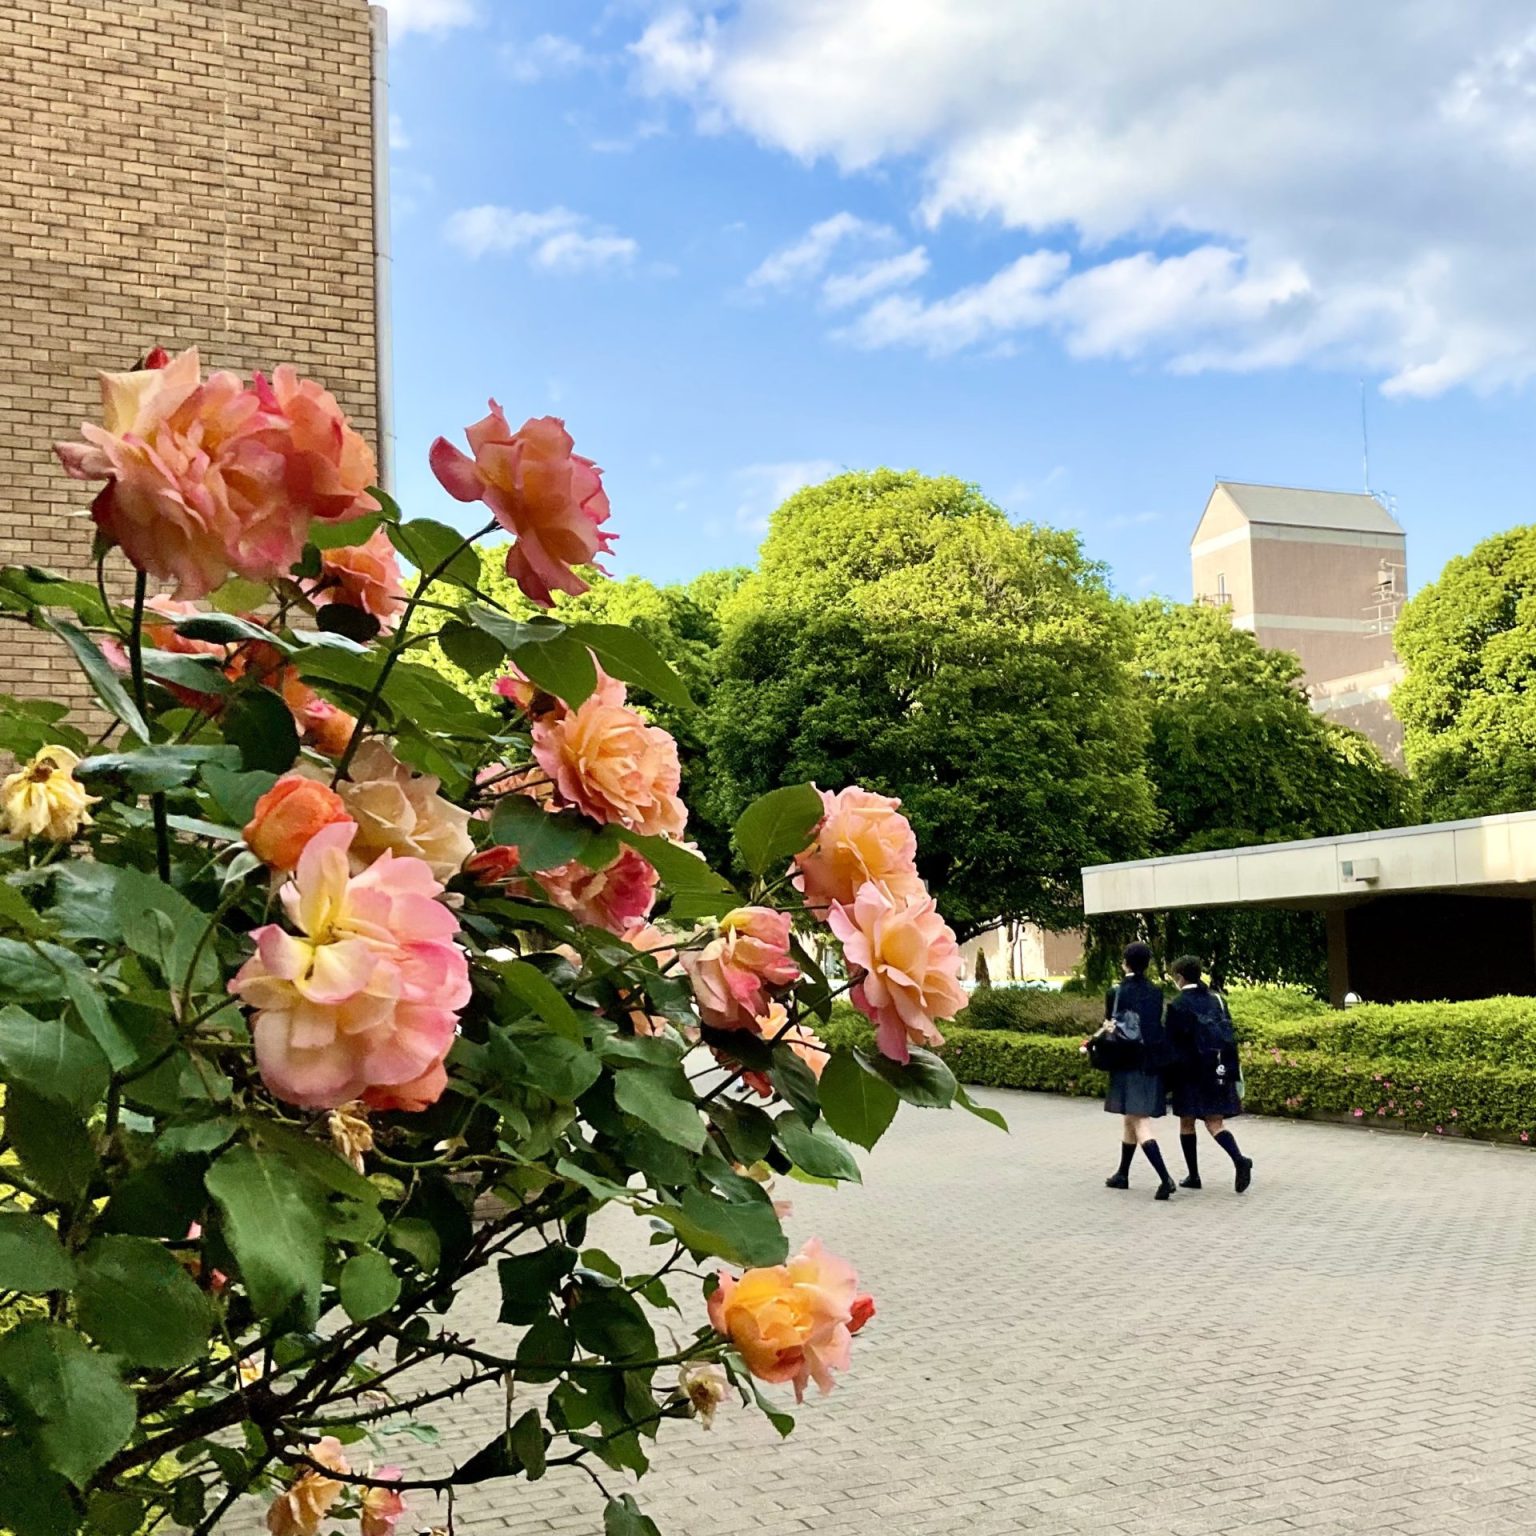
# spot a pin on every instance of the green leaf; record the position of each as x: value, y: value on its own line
x: 147, y: 770
x: 54, y: 1146
x: 544, y: 1351
x: 260, y: 724
x: 159, y: 923
x: 45, y: 589
x: 67, y: 1396
x: 116, y: 1514
x: 924, y: 1081
x: 226, y: 629
x: 748, y: 1130
x: 653, y: 1097
x: 138, y: 1303
x: 18, y: 912
x: 199, y: 674
x: 510, y: 633
x: 470, y: 649
x: 777, y: 826
x: 544, y: 839
x: 324, y: 534
x: 626, y: 653
x: 99, y: 672
x: 29, y: 725
x: 533, y: 987
x: 48, y: 1057
x: 427, y: 544
x: 681, y: 872
x: 236, y: 794
x: 622, y: 1517
x: 274, y: 1223
x: 317, y: 1160
x: 417, y: 1240
x: 559, y: 665
x: 816, y: 1149
x: 33, y: 1500
x: 32, y: 973
x: 745, y: 1232
x: 981, y: 1111
x: 160, y: 1200
x: 856, y: 1104
x: 529, y: 1442
x: 369, y: 1285
x: 814, y: 991
x: 795, y: 1083
x: 529, y: 1280
x: 607, y: 1321
x: 782, y: 1422
x: 90, y: 1005
x: 32, y: 1259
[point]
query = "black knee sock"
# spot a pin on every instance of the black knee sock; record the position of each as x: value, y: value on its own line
x: 1228, y: 1144
x: 1191, y: 1146
x: 1156, y: 1159
x: 1127, y: 1153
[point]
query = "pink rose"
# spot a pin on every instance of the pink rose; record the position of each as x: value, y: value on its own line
x: 382, y: 1508
x: 328, y: 468
x: 733, y: 974
x: 861, y: 837
x: 790, y: 1322
x: 365, y: 576
x: 610, y: 765
x: 364, y: 997
x: 548, y: 498
x: 907, y: 962
x: 614, y: 897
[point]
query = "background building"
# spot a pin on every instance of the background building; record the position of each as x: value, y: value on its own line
x: 177, y: 172
x: 1320, y: 573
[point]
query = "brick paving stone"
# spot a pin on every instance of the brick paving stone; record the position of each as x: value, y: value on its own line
x: 1346, y: 1348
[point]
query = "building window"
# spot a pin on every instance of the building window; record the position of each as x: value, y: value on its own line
x: 1221, y: 587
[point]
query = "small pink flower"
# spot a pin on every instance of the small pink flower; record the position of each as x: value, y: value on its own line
x: 550, y: 499
x: 1525, y: 1135
x: 907, y: 963
x: 733, y: 974
x: 1439, y: 1130
x: 614, y: 897
x: 382, y: 1508
x: 1357, y: 1113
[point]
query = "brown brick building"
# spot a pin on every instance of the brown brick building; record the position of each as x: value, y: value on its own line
x: 174, y: 172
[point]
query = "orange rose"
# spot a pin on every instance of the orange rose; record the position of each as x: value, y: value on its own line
x: 287, y: 816
x: 365, y: 576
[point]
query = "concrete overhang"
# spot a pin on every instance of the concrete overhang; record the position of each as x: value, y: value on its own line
x: 1491, y: 856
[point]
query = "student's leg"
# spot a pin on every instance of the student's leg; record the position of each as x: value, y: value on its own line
x: 1153, y: 1154
x: 1122, y: 1178
x: 1191, y: 1148
x: 1228, y: 1144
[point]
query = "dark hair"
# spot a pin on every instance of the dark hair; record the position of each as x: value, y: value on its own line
x: 1137, y: 957
x: 1187, y: 968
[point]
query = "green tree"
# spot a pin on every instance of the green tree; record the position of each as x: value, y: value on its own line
x: 1237, y: 757
x: 1468, y: 701
x: 901, y: 633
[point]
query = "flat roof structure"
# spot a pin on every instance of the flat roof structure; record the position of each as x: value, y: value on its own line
x: 1413, y: 913
x: 1491, y: 856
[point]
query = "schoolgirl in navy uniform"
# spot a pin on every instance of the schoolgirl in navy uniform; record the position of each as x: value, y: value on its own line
x: 1138, y: 1094
x: 1204, y: 1075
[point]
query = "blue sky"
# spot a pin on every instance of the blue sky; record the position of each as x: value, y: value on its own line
x: 1087, y: 262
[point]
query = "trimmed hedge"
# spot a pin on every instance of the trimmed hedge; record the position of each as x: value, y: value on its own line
x: 1446, y: 1068
x: 1032, y: 1011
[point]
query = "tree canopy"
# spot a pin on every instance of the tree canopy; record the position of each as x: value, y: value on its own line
x: 900, y: 630
x: 1468, y: 701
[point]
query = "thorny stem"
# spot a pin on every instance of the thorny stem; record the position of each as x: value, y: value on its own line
x: 140, y: 697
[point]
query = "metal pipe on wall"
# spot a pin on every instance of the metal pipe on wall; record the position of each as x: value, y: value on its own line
x: 384, y: 332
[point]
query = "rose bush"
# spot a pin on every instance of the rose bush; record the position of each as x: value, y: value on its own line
x: 326, y: 987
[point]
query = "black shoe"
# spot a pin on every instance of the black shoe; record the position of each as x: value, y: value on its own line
x: 1244, y: 1173
x: 1165, y: 1190
x: 1192, y: 1182
x: 1117, y: 1181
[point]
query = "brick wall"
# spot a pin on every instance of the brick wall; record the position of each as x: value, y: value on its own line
x: 171, y: 172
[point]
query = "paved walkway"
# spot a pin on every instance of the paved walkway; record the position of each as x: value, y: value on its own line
x: 1346, y: 1348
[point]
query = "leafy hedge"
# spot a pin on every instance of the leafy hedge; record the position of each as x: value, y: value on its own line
x: 1447, y: 1068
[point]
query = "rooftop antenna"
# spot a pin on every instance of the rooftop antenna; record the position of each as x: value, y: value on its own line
x: 1365, y: 443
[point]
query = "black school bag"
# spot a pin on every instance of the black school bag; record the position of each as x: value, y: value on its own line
x: 1215, y: 1041
x: 1123, y: 1050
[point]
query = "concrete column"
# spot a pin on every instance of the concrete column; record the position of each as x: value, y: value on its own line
x: 1338, y: 955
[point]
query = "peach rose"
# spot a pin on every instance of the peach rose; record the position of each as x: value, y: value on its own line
x: 382, y: 1508
x: 907, y: 963
x: 322, y: 725
x: 287, y: 816
x: 732, y: 974
x: 775, y: 1026
x: 522, y: 691
x: 302, y: 1510
x: 401, y: 811
x: 548, y: 498
x: 361, y: 1002
x: 412, y: 1097
x: 610, y: 765
x: 790, y: 1322
x: 861, y: 837
x: 328, y: 468
x: 187, y: 467
x: 365, y: 576
x: 614, y: 897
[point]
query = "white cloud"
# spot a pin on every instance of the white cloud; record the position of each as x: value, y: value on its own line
x: 398, y: 137
x: 1348, y: 185
x: 557, y: 239
x: 430, y: 15
x: 542, y: 56
x: 808, y: 256
x: 843, y: 289
x: 764, y: 486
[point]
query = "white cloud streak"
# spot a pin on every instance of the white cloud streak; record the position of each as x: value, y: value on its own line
x: 765, y: 486
x: 407, y: 16
x: 556, y: 240
x: 1340, y: 185
x: 807, y: 257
